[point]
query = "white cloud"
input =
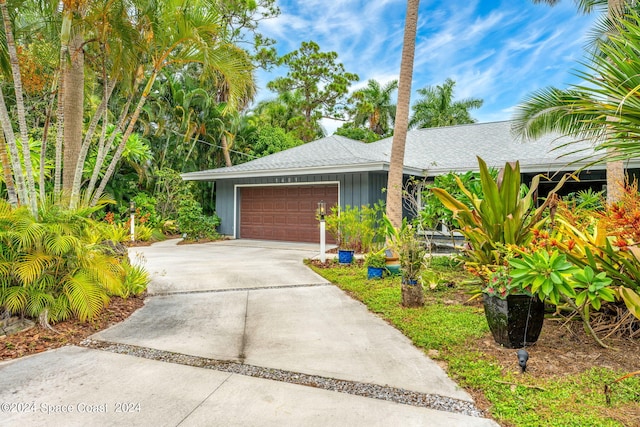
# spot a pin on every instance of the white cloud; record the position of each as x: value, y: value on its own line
x: 495, y: 51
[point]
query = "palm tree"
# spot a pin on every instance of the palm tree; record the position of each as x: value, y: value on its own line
x: 183, y: 32
x: 531, y: 117
x: 411, y: 295
x: 374, y: 106
x: 396, y: 164
x: 605, y: 108
x: 26, y: 191
x: 437, y: 108
x: 6, y: 173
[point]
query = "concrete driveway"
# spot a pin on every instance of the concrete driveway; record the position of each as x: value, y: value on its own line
x: 236, y: 333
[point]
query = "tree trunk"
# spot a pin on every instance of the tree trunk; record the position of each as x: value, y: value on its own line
x: 118, y: 154
x: 73, y: 112
x: 105, y: 146
x: 412, y: 295
x: 84, y: 149
x: 396, y: 166
x: 30, y: 191
x: 10, y: 138
x: 225, y: 150
x: 6, y: 172
x: 615, y: 169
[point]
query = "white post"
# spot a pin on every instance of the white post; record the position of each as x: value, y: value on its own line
x: 323, y: 249
x: 322, y: 211
x: 132, y: 209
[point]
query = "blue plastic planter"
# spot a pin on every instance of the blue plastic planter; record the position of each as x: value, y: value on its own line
x: 345, y: 257
x: 374, y: 272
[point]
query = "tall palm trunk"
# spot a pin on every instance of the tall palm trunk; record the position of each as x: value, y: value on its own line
x: 6, y: 172
x: 615, y: 169
x: 104, y: 146
x: 10, y: 138
x: 118, y: 154
x: 73, y: 112
x: 30, y: 193
x: 396, y: 166
x: 65, y: 37
x: 225, y: 150
x: 45, y: 136
x: 84, y: 149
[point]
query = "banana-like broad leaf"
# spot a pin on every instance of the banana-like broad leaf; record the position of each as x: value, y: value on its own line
x: 631, y: 300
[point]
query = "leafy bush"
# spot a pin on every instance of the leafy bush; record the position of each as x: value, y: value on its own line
x: 359, y: 229
x: 193, y: 224
x: 53, y: 268
x: 605, y: 241
x: 434, y: 212
x: 504, y: 216
x: 135, y: 281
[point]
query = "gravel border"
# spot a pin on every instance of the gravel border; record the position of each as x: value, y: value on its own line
x: 392, y: 394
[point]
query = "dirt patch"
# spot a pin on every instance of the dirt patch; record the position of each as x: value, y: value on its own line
x: 38, y: 339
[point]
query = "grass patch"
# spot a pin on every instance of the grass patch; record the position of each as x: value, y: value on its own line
x: 452, y: 328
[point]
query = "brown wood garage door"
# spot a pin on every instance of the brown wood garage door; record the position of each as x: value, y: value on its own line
x: 284, y: 212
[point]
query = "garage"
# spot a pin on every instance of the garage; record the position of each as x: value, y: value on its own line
x: 285, y: 212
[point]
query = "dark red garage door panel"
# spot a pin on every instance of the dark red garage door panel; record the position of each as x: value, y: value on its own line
x: 284, y: 212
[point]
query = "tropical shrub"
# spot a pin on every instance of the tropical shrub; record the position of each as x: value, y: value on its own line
x: 135, y: 281
x: 357, y: 228
x: 605, y: 241
x: 434, y: 213
x: 193, y: 224
x: 53, y: 269
x: 503, y: 216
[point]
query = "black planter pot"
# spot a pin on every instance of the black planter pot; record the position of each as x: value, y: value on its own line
x: 507, y: 319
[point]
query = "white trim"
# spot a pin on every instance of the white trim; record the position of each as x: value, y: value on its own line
x: 272, y: 184
x: 286, y: 172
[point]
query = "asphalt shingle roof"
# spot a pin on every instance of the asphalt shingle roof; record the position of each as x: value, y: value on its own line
x: 428, y: 152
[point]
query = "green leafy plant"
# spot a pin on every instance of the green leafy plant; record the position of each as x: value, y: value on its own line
x: 193, y: 224
x: 500, y: 284
x: 434, y: 212
x: 546, y: 273
x: 135, y: 281
x: 375, y: 259
x: 595, y: 288
x: 504, y: 216
x: 53, y: 269
x: 606, y: 241
x: 410, y: 249
x: 356, y: 228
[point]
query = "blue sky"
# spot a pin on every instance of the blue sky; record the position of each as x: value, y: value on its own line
x: 498, y: 51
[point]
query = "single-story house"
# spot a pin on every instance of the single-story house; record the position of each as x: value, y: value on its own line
x: 276, y: 197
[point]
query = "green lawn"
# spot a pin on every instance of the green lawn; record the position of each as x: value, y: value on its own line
x: 451, y: 328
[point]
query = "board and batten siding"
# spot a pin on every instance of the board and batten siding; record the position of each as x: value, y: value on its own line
x: 356, y: 189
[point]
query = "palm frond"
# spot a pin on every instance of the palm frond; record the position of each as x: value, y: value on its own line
x: 86, y: 297
x: 14, y: 299
x: 31, y: 266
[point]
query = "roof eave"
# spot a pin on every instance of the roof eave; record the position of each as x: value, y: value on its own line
x: 360, y: 167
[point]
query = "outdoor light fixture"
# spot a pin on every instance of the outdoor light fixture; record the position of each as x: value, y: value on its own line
x: 322, y: 209
x: 132, y: 207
